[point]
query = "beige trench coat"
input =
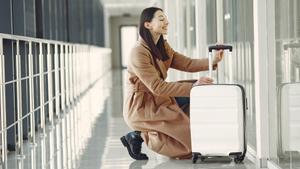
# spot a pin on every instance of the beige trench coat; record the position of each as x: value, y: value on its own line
x: 150, y: 106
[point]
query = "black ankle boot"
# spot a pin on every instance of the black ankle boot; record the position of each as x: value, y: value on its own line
x: 133, y: 142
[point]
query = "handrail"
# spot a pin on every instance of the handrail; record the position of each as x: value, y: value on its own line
x: 31, y: 39
x: 45, y: 41
x: 65, y: 80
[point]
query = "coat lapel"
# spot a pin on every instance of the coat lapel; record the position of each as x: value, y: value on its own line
x: 161, y: 66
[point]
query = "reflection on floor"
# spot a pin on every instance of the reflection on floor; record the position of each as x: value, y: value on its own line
x: 103, y: 149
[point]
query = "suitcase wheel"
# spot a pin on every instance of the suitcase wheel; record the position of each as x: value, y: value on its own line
x: 239, y: 159
x: 196, y: 156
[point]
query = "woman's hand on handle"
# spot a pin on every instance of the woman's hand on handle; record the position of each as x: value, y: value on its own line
x: 203, y: 80
x: 218, y: 57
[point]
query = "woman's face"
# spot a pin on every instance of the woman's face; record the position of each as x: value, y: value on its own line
x: 159, y: 23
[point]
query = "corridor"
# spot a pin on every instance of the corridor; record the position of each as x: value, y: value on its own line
x: 103, y: 149
x: 63, y: 69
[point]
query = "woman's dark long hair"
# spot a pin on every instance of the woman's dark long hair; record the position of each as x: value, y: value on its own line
x: 158, y: 50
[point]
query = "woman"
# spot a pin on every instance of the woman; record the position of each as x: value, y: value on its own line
x: 151, y: 107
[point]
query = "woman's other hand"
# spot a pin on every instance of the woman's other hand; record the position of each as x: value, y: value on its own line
x: 203, y: 80
x: 218, y: 57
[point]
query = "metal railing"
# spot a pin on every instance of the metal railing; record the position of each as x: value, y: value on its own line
x: 57, y: 78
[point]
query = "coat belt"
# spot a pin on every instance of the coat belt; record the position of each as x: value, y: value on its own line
x: 138, y: 87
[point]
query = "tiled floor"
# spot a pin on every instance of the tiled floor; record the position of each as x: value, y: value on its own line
x: 116, y: 156
x: 103, y: 149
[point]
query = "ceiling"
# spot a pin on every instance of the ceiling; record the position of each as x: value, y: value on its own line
x: 126, y: 7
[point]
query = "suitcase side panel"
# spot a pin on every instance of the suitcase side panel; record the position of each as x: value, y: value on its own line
x: 217, y: 119
x: 290, y: 117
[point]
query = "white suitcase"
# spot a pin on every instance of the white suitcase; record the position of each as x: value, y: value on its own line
x: 217, y: 119
x: 290, y: 118
x: 289, y: 103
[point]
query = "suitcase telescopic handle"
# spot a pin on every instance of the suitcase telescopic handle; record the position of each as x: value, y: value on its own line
x: 210, y: 49
x: 287, y: 60
x: 219, y: 47
x: 291, y: 45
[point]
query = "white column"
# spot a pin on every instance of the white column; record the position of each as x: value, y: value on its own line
x: 272, y: 100
x: 261, y: 80
x: 220, y: 21
x: 201, y: 33
x: 170, y: 10
x: 179, y: 25
x: 172, y: 37
x: 188, y: 25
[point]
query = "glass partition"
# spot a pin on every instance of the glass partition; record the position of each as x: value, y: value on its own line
x: 287, y: 123
x: 237, y: 20
x: 211, y: 21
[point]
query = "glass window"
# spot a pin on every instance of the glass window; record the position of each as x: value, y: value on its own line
x: 193, y: 27
x: 286, y: 128
x: 211, y: 18
x: 238, y: 68
x: 184, y: 20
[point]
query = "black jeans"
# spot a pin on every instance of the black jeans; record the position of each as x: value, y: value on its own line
x: 182, y: 101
